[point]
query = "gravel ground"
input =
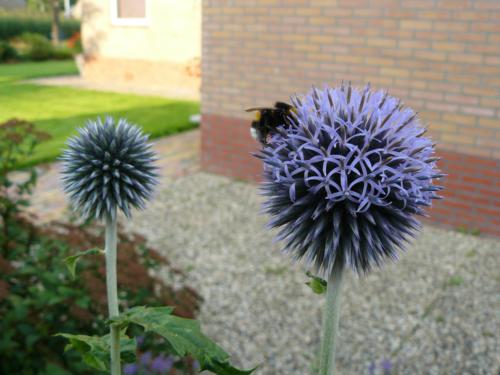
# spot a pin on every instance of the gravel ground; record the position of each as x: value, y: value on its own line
x: 435, y: 312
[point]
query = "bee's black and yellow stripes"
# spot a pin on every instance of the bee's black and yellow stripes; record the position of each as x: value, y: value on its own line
x: 268, y: 119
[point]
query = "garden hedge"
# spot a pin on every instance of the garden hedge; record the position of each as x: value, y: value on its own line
x: 11, y: 26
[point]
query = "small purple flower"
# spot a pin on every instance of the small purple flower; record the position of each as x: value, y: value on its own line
x: 387, y: 366
x: 139, y: 340
x: 130, y: 369
x: 162, y: 364
x: 345, y: 179
x: 146, y: 358
x: 372, y: 368
x: 196, y: 365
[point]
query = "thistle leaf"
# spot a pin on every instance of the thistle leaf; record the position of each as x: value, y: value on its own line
x: 183, y: 335
x: 72, y: 260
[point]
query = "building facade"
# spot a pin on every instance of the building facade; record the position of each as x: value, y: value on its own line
x: 442, y: 57
x: 153, y: 43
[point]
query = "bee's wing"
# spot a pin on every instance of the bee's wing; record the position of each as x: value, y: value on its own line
x: 255, y: 109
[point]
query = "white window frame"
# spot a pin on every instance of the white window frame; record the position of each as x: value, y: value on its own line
x: 117, y: 21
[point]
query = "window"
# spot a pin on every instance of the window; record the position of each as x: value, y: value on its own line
x: 130, y: 12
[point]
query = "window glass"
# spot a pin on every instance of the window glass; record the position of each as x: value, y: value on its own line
x: 131, y: 8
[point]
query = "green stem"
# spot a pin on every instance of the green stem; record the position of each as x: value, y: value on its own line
x: 112, y: 288
x: 331, y: 314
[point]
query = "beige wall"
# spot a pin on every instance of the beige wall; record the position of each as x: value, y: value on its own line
x: 173, y: 34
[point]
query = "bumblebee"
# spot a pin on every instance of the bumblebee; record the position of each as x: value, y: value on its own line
x: 267, y: 120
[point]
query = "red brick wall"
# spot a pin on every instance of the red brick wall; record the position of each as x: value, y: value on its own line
x: 442, y: 57
x: 227, y: 147
x: 472, y: 193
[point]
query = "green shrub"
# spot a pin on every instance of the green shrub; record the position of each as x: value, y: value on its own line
x: 40, y: 298
x: 7, y: 52
x: 18, y: 140
x: 31, y: 46
x: 37, y: 47
x: 62, y: 53
x: 34, y: 47
x: 12, y: 26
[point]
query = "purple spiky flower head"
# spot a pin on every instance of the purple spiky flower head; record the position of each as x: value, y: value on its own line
x: 345, y: 179
x: 107, y: 167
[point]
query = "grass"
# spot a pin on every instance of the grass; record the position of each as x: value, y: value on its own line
x: 455, y: 280
x: 470, y: 231
x: 277, y: 271
x: 59, y: 111
x: 471, y: 253
x: 16, y: 72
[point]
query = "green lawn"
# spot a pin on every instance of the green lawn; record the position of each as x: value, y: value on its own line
x: 60, y: 110
x: 15, y: 72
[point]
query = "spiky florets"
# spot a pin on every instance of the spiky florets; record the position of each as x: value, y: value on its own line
x: 344, y: 180
x: 108, y: 167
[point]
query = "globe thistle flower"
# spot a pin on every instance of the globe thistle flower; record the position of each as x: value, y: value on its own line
x: 345, y: 179
x: 108, y: 166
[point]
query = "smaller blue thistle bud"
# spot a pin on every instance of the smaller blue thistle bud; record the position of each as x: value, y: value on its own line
x: 107, y: 167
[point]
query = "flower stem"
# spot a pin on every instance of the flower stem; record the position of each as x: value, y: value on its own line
x: 331, y: 315
x: 112, y: 289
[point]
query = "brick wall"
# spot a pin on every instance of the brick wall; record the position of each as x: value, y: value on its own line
x: 442, y: 57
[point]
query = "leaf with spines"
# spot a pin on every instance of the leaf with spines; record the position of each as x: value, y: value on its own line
x: 183, y: 335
